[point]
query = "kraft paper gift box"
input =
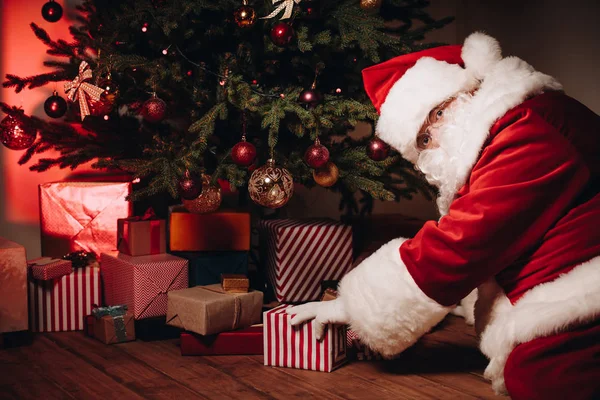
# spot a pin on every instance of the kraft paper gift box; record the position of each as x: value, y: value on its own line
x: 47, y: 268
x: 113, y: 324
x: 300, y: 254
x: 297, y: 347
x: 140, y: 236
x: 218, y: 231
x: 247, y: 341
x: 207, y: 310
x: 206, y: 267
x: 81, y: 216
x: 13, y: 287
x: 62, y: 304
x: 142, y: 282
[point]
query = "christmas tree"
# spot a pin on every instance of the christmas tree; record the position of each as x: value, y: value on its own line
x: 171, y: 91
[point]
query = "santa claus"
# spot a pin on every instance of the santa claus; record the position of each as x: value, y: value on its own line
x: 517, y: 165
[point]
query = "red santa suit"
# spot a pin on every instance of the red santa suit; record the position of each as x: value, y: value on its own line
x: 521, y: 222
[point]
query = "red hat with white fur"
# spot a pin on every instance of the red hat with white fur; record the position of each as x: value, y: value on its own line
x: 406, y: 88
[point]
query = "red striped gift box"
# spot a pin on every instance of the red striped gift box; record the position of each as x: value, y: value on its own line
x: 61, y: 304
x: 297, y: 347
x: 300, y: 254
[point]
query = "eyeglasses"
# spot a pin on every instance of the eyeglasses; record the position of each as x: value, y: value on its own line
x: 424, y: 140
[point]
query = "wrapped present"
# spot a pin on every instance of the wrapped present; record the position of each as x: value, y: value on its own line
x: 248, y: 341
x: 140, y: 236
x: 113, y: 324
x: 299, y: 254
x: 47, y: 268
x: 235, y: 283
x: 219, y: 231
x: 297, y: 347
x: 358, y: 350
x: 61, y: 304
x: 13, y: 286
x: 208, y: 309
x: 206, y: 267
x: 142, y: 282
x: 81, y: 216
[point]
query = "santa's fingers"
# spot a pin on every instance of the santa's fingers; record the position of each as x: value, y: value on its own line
x: 303, y: 313
x: 319, y: 328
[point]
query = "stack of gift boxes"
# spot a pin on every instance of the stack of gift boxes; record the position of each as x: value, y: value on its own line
x: 189, y: 272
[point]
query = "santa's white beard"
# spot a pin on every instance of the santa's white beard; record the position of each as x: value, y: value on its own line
x: 441, y: 166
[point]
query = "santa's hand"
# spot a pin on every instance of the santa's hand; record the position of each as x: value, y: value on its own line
x: 323, y: 313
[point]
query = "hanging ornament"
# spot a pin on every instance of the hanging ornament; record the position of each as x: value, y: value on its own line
x: 190, y: 186
x: 16, y: 134
x: 370, y: 5
x: 286, y: 5
x: 104, y: 106
x: 80, y: 90
x: 271, y: 186
x: 311, y: 8
x: 154, y: 109
x: 310, y: 97
x: 245, y: 16
x: 243, y: 153
x: 282, y: 34
x: 377, y: 149
x: 208, y: 201
x: 52, y: 11
x: 327, y: 175
x: 55, y: 106
x: 316, y: 155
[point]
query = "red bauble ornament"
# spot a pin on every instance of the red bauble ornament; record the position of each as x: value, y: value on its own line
x: 16, y: 134
x: 282, y: 34
x: 55, y: 106
x: 316, y: 155
x: 310, y: 97
x: 52, y: 11
x: 243, y: 153
x: 154, y: 110
x: 377, y: 149
x: 190, y: 186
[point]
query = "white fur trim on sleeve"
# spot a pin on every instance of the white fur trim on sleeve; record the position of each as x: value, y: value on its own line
x: 387, y: 310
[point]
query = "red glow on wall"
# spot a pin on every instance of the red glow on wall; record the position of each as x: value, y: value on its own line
x: 23, y: 54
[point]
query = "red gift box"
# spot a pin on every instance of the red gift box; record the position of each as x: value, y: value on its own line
x: 300, y: 254
x: 297, y: 347
x: 140, y: 236
x: 13, y: 287
x: 142, y: 282
x: 81, y: 216
x: 46, y: 268
x: 241, y: 342
x: 62, y: 304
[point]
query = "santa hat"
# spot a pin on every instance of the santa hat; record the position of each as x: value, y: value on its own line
x: 406, y: 88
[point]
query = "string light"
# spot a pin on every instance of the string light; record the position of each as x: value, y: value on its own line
x: 145, y: 27
x: 106, y: 117
x: 282, y: 95
x: 338, y: 90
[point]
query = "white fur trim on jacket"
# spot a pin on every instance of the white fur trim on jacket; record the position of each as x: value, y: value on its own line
x: 387, y: 310
x: 573, y: 299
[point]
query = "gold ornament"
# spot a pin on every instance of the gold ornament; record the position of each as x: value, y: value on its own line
x: 208, y: 201
x: 271, y: 186
x: 370, y: 5
x: 245, y: 16
x: 327, y: 175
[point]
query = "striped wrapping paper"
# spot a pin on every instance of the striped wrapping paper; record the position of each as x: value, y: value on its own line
x: 61, y: 304
x: 297, y: 347
x: 300, y: 254
x: 359, y: 350
x: 142, y: 282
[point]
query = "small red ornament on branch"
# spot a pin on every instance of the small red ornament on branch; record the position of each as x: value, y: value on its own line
x: 377, y: 149
x: 154, y: 109
x: 316, y: 155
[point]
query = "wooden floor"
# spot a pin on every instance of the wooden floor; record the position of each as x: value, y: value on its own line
x: 445, y: 364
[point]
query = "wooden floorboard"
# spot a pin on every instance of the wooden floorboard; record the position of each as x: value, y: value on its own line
x: 445, y: 364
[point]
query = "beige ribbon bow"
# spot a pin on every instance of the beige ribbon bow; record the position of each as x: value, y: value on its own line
x: 288, y: 5
x: 78, y: 88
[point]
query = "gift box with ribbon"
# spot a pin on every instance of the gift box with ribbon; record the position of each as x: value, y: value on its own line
x: 113, y: 324
x: 245, y: 341
x: 48, y: 268
x: 140, y: 236
x: 208, y: 310
x: 142, y: 282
